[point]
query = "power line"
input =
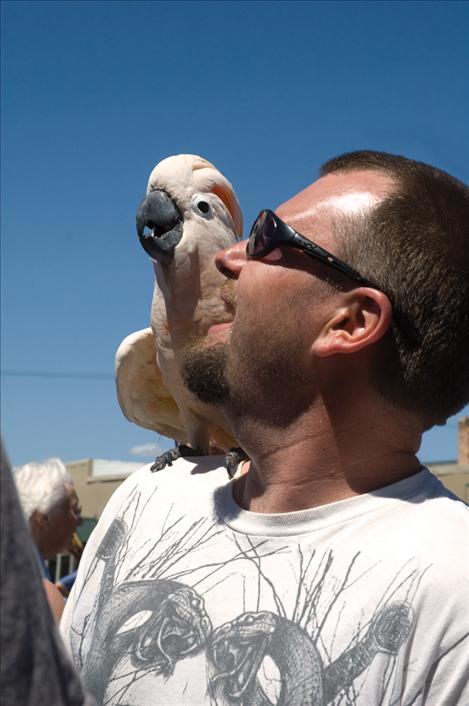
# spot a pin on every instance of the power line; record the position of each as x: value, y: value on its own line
x: 49, y: 374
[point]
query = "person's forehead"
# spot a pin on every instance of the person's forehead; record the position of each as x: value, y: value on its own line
x: 67, y: 502
x: 71, y: 492
x: 344, y: 193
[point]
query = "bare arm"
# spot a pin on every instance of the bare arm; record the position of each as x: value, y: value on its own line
x: 55, y: 599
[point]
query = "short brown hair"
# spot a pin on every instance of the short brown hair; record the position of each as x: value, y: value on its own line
x: 415, y: 245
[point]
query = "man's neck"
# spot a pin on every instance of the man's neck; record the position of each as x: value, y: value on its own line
x: 312, y: 464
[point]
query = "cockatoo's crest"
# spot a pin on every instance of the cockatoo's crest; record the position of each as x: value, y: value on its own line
x: 183, y: 174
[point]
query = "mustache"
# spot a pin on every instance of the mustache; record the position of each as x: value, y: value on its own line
x: 228, y: 294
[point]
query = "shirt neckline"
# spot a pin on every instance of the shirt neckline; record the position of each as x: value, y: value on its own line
x: 412, y: 489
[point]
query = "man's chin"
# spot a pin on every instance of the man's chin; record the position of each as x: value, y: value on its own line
x: 204, y: 370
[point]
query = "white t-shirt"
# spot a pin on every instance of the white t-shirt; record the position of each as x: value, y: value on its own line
x: 182, y: 597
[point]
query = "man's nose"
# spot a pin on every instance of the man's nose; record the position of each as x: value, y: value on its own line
x: 231, y: 261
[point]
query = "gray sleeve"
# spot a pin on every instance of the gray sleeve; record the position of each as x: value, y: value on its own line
x: 34, y: 669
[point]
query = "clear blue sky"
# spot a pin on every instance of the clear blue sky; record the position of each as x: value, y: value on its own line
x: 94, y: 94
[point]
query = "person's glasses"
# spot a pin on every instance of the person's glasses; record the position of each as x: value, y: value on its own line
x: 269, y: 232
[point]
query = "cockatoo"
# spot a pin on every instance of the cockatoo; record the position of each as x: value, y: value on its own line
x: 191, y: 212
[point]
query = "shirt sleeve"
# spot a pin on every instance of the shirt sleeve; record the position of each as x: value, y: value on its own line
x: 34, y: 668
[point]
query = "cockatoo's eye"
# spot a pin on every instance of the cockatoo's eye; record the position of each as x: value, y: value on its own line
x: 202, y: 207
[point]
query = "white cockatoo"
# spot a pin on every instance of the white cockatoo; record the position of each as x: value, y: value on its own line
x: 191, y: 212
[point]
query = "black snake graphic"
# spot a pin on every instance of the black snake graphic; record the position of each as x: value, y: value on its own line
x: 177, y: 627
x: 237, y: 650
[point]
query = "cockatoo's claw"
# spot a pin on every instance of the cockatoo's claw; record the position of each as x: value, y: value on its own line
x: 233, y: 458
x: 167, y: 458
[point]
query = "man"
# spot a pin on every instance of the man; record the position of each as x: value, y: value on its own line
x: 333, y: 569
x: 53, y: 513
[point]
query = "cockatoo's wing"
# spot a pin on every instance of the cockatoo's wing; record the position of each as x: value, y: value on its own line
x: 141, y: 391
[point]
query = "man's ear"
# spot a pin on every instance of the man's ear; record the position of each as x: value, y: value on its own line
x: 361, y: 319
x: 39, y: 519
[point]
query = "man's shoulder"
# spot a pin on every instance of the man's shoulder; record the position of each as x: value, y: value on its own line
x: 450, y: 506
x: 429, y: 513
x: 434, y: 524
x: 186, y: 477
x: 203, y: 469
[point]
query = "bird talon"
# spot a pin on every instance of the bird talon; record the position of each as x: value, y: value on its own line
x: 233, y: 458
x: 167, y: 458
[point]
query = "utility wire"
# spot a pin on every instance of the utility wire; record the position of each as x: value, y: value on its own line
x: 47, y: 374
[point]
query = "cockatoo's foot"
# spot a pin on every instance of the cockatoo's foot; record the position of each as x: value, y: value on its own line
x: 171, y: 455
x: 233, y: 458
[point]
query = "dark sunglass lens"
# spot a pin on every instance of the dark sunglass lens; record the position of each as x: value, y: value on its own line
x: 259, y: 238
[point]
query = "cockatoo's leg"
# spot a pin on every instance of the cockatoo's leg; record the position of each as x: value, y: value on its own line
x: 167, y: 458
x: 233, y: 458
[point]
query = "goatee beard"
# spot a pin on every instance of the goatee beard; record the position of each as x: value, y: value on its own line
x: 204, y: 372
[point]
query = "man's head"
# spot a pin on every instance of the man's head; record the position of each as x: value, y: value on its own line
x: 415, y: 243
x: 50, y: 504
x: 403, y: 226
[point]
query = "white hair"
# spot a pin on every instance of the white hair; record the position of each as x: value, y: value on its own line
x: 41, y: 486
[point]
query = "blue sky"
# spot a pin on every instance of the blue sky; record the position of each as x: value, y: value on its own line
x: 94, y: 94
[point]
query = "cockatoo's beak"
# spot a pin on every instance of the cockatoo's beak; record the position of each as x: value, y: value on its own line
x: 158, y: 212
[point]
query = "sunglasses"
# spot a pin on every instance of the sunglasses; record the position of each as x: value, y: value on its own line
x: 269, y: 232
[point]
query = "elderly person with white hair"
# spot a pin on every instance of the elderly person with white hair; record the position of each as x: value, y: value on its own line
x: 51, y: 507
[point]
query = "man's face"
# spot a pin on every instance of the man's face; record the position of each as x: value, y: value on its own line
x: 62, y: 522
x: 262, y: 360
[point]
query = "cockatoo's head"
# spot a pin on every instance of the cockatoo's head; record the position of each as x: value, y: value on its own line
x: 185, y: 190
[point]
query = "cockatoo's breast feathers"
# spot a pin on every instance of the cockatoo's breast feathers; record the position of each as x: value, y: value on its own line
x: 176, y: 190
x: 159, y: 213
